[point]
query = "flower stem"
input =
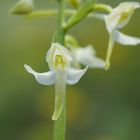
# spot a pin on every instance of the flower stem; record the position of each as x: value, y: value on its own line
x: 109, y: 51
x: 60, y: 33
x: 103, y: 8
x: 60, y: 123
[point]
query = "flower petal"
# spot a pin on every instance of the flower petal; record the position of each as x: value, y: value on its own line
x: 74, y: 75
x: 125, y: 39
x: 86, y: 56
x: 46, y: 78
x: 96, y: 63
x: 60, y: 87
x: 120, y: 15
x: 126, y: 10
x: 58, y: 49
x: 111, y: 21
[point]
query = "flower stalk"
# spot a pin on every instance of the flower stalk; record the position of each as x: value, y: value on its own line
x: 60, y: 123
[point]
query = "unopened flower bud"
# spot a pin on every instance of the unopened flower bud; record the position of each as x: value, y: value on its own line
x: 75, y: 3
x: 23, y: 7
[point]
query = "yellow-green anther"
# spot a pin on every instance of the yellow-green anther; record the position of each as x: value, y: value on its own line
x: 59, y: 62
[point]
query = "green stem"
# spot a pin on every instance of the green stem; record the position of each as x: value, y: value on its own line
x: 103, y: 8
x: 60, y: 123
x: 106, y: 9
x: 59, y: 126
x: 60, y: 33
x: 48, y: 13
x: 52, y: 13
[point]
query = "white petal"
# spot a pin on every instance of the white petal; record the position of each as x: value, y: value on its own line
x: 120, y: 15
x: 126, y: 10
x: 96, y: 63
x: 111, y: 21
x: 74, y: 75
x: 84, y: 52
x: 125, y: 39
x: 46, y: 78
x: 125, y: 16
x: 125, y: 5
x: 60, y: 87
x: 58, y: 49
x: 86, y: 56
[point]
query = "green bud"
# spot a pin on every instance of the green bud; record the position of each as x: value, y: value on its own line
x: 75, y: 3
x: 71, y: 41
x: 23, y: 7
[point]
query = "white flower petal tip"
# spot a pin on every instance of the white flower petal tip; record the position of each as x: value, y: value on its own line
x: 125, y: 39
x: 56, y: 114
x: 29, y: 69
x: 54, y: 117
x: 97, y: 63
x: 46, y: 78
x: 107, y: 66
x: 74, y: 75
x: 133, y: 5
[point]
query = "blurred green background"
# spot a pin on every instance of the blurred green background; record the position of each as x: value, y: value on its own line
x: 104, y: 105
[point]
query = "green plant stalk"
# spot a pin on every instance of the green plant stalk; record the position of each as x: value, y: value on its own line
x: 103, y: 8
x: 60, y: 123
x: 68, y: 12
x: 60, y: 33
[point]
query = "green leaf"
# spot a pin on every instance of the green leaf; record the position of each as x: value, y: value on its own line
x: 82, y: 12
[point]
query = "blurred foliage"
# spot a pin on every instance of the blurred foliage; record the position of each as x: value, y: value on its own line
x: 104, y: 105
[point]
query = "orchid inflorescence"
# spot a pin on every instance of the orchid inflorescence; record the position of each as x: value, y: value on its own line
x: 66, y: 60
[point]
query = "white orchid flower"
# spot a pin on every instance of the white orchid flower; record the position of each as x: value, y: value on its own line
x: 83, y: 55
x: 87, y: 56
x: 117, y: 19
x: 60, y: 74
